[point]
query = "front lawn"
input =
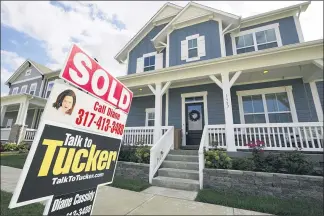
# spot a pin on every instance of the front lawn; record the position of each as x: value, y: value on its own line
x: 129, y: 184
x: 13, y: 160
x: 271, y: 205
x: 33, y: 209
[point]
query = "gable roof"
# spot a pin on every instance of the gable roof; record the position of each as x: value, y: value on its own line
x: 230, y: 18
x: 41, y: 68
x: 122, y: 54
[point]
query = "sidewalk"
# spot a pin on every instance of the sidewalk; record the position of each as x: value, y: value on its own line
x: 115, y: 201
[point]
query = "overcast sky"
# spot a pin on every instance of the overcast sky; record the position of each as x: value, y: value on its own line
x: 43, y: 31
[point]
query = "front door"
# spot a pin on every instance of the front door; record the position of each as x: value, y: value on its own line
x: 194, y: 123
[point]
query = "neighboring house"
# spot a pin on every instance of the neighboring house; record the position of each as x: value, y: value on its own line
x: 29, y: 85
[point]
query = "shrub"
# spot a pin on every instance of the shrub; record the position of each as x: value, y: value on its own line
x: 143, y: 154
x: 136, y: 154
x: 217, y: 159
x: 243, y: 164
x: 9, y: 147
x: 127, y: 154
x: 296, y: 163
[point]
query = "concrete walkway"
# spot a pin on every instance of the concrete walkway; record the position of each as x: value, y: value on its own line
x: 125, y: 202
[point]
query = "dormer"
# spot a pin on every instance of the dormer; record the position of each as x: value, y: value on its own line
x: 139, y: 53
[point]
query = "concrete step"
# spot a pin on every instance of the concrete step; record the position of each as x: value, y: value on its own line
x: 179, y: 173
x: 183, y: 152
x: 188, y: 158
x: 190, y: 147
x: 180, y: 165
x: 176, y: 183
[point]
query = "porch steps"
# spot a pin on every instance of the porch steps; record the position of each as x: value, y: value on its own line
x: 179, y: 170
x: 190, y: 147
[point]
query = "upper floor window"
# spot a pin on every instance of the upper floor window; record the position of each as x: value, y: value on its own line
x: 23, y: 89
x: 270, y: 105
x: 257, y: 39
x: 15, y: 90
x: 28, y: 72
x: 49, y: 88
x: 149, y: 63
x: 193, y: 48
x: 32, y: 89
x: 150, y: 115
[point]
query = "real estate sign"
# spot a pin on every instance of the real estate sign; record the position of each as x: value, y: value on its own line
x: 76, y: 147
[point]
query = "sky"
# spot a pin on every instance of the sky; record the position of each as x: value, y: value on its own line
x: 43, y: 31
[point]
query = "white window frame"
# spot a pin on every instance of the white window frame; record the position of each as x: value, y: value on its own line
x: 47, y: 88
x: 31, y: 86
x: 149, y: 55
x: 9, y: 126
x: 191, y: 37
x: 263, y: 92
x: 15, y: 91
x: 28, y: 72
x: 253, y: 31
x: 147, y: 111
x: 24, y: 86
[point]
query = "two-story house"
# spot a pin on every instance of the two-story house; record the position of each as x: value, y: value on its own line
x: 22, y: 108
x: 223, y: 80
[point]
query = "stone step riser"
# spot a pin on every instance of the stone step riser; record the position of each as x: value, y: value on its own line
x: 182, y: 158
x: 175, y: 185
x: 181, y: 175
x: 180, y: 165
x: 183, y: 152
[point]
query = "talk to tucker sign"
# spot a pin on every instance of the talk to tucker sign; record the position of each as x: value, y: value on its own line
x: 76, y: 147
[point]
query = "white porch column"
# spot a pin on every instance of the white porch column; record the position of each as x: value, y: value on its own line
x: 18, y: 120
x: 317, y: 101
x: 34, y: 119
x: 3, y: 112
x: 158, y: 92
x: 23, y: 120
x: 226, y: 85
x: 230, y: 139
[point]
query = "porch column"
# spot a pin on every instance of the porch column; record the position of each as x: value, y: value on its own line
x: 158, y: 92
x: 20, y: 111
x: 3, y: 112
x: 317, y: 101
x: 22, y: 120
x: 226, y: 85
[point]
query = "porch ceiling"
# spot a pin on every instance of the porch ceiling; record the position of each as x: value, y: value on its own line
x: 15, y: 100
x: 252, y: 76
x: 273, y: 59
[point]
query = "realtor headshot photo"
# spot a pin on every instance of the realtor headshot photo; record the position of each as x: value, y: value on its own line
x: 65, y: 102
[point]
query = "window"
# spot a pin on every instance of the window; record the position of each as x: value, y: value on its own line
x: 192, y: 48
x: 149, y: 63
x: 15, y: 90
x: 28, y: 72
x: 150, y: 115
x: 23, y: 89
x: 257, y: 39
x: 9, y: 123
x: 272, y: 105
x: 32, y: 89
x: 49, y: 89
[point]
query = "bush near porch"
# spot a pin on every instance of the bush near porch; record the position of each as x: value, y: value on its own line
x: 136, y: 154
x: 11, y: 147
x: 288, y: 162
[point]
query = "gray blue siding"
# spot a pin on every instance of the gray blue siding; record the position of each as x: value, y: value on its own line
x: 28, y: 83
x: 143, y: 47
x: 209, y: 29
x: 22, y: 75
x: 228, y: 45
x: 320, y: 89
x: 13, y: 115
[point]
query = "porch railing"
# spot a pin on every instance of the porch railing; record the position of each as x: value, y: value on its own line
x: 140, y: 135
x: 160, y: 150
x: 30, y: 134
x: 5, y: 132
x: 306, y: 136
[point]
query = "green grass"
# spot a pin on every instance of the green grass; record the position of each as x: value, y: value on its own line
x: 271, y: 205
x: 13, y: 160
x: 33, y: 209
x: 129, y: 184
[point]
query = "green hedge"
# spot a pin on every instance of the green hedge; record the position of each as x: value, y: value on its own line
x: 7, y: 147
x: 137, y: 154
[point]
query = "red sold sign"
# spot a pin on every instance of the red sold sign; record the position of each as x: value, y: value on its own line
x: 84, y: 72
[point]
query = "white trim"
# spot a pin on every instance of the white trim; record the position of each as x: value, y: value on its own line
x: 28, y: 72
x: 195, y: 36
x: 149, y: 54
x: 222, y: 40
x: 166, y: 122
x: 48, y: 83
x: 34, y: 118
x: 25, y: 80
x: 41, y: 89
x: 183, y: 111
x: 15, y: 91
x: 22, y: 87
x: 30, y: 88
x: 262, y: 92
x: 274, y: 26
x: 299, y: 29
x: 147, y: 111
x: 167, y: 53
x: 317, y: 101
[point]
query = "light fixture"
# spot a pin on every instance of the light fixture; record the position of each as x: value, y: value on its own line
x: 140, y: 89
x: 265, y: 71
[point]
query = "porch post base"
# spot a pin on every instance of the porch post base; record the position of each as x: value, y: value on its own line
x: 230, y: 139
x: 14, y: 133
